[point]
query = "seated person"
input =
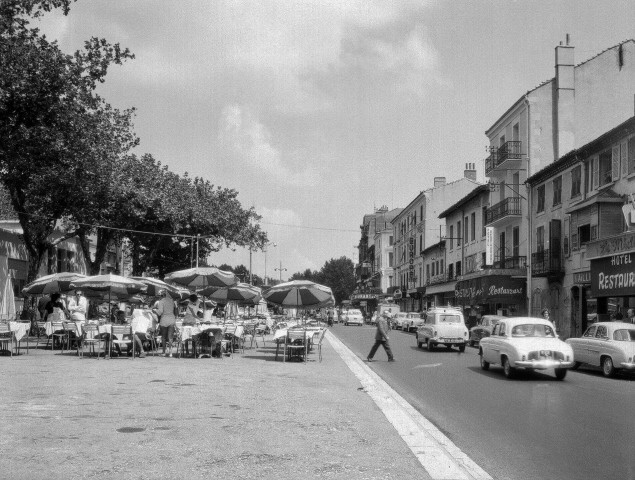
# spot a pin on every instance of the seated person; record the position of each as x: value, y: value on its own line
x: 140, y: 338
x: 191, y: 319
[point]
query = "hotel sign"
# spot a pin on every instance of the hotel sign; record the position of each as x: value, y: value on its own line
x: 489, y: 245
x: 613, y: 276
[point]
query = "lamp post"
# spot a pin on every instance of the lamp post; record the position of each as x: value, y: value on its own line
x: 274, y: 245
x: 280, y: 270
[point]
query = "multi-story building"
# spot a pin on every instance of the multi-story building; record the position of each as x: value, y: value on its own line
x: 374, y: 271
x: 579, y: 104
x: 583, y: 258
x: 484, y: 282
x: 435, y: 275
x: 417, y: 227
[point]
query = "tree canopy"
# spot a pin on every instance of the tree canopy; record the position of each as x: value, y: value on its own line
x: 67, y: 161
x: 337, y: 273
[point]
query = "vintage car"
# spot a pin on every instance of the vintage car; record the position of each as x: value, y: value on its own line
x: 413, y: 321
x: 353, y: 316
x: 399, y: 320
x: 443, y: 326
x: 526, y: 343
x: 483, y: 328
x: 609, y: 345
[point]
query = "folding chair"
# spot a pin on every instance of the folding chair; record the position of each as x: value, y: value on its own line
x: 72, y: 335
x: 296, y: 344
x: 122, y: 335
x: 6, y: 338
x: 91, y: 338
x: 228, y: 341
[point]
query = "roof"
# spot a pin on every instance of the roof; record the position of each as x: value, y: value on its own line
x: 440, y: 244
x: 473, y: 194
x: 603, y: 196
x: 522, y: 97
x: 577, y: 155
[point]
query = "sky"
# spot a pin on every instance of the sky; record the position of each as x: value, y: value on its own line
x: 320, y: 111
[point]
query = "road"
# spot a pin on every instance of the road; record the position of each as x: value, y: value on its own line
x: 533, y: 427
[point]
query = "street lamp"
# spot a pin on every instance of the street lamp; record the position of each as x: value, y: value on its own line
x: 274, y: 245
x: 280, y: 270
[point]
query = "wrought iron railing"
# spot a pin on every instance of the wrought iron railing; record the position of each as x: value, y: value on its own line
x: 546, y: 262
x: 509, y: 151
x: 517, y: 262
x: 509, y: 206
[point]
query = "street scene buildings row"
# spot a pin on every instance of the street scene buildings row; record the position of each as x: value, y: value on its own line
x: 552, y: 227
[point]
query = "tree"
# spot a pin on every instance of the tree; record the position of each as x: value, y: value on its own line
x: 340, y: 276
x: 52, y: 123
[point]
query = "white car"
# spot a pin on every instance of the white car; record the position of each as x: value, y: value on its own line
x: 443, y: 326
x: 353, y: 317
x: 609, y: 345
x: 398, y: 320
x: 413, y: 321
x: 525, y: 343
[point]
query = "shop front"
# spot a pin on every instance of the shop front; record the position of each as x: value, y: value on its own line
x: 492, y: 295
x: 583, y: 304
x: 439, y: 295
x: 613, y: 275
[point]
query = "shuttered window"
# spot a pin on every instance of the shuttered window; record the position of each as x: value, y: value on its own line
x: 631, y: 155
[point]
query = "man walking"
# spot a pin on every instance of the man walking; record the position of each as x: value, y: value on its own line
x: 381, y: 338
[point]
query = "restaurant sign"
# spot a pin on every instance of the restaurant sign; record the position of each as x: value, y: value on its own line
x: 363, y: 296
x: 613, y: 276
x: 490, y: 289
x: 624, y: 243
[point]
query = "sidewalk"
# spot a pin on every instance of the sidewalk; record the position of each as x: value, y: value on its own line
x: 244, y: 417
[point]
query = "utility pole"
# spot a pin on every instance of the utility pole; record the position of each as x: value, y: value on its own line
x: 280, y: 270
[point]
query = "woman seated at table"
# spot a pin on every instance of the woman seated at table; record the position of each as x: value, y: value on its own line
x: 190, y: 320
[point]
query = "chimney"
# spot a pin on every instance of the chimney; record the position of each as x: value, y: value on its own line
x: 439, y: 181
x: 470, y: 171
x: 564, y: 125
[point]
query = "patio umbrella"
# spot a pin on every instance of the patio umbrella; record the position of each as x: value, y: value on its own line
x: 240, y: 293
x: 299, y: 294
x: 7, y: 302
x: 54, y: 283
x: 114, y: 286
x: 155, y: 286
x: 200, y: 277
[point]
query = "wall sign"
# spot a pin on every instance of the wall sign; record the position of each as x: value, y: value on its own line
x: 613, y: 276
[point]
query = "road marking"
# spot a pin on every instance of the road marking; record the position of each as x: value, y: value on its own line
x: 428, y: 365
x: 437, y: 454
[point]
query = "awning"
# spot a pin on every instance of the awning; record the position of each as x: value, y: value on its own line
x: 440, y: 288
x: 491, y: 289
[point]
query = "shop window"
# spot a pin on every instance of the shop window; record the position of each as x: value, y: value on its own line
x: 458, y: 268
x: 606, y: 168
x: 557, y: 191
x: 576, y: 179
x: 540, y: 207
x: 584, y: 234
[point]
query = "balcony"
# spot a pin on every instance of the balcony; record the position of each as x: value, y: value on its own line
x: 507, y: 156
x: 547, y: 263
x: 433, y: 280
x: 504, y: 211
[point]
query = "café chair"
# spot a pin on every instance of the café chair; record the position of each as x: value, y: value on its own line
x: 122, y: 335
x: 41, y: 332
x: 92, y: 339
x: 229, y: 340
x: 72, y: 335
x: 6, y: 338
x: 296, y: 344
x: 59, y: 333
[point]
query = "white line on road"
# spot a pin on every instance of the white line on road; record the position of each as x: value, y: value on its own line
x: 437, y: 454
x: 428, y: 365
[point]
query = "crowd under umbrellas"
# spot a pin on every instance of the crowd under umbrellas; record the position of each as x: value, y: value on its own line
x: 218, y: 286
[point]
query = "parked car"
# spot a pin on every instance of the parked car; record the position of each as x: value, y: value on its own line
x: 443, y: 326
x: 413, y: 321
x: 483, y: 328
x: 353, y: 316
x: 609, y: 345
x: 526, y: 343
x: 398, y: 320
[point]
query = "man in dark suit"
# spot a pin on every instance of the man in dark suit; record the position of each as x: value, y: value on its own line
x: 381, y: 338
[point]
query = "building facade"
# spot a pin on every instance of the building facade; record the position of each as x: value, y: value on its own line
x: 584, y: 232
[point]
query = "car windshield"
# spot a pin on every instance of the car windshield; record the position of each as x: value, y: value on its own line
x: 624, y: 335
x: 354, y: 312
x: 533, y: 330
x: 449, y: 318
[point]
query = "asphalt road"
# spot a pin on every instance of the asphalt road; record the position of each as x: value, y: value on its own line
x: 532, y: 427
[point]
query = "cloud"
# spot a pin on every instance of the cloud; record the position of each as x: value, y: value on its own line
x: 249, y: 143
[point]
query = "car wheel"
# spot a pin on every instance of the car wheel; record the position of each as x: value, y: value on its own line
x: 561, y: 373
x: 576, y: 365
x: 430, y: 345
x: 462, y: 348
x: 608, y: 369
x: 484, y: 364
x: 508, y: 369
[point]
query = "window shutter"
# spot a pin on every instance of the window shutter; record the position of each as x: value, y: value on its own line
x: 566, y: 235
x: 615, y: 157
x: 624, y: 157
x: 596, y: 173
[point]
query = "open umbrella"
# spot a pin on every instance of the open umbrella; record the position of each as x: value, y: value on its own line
x: 155, y: 286
x: 54, y: 283
x: 115, y: 286
x: 7, y: 301
x: 200, y: 277
x: 299, y: 294
x: 240, y: 293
